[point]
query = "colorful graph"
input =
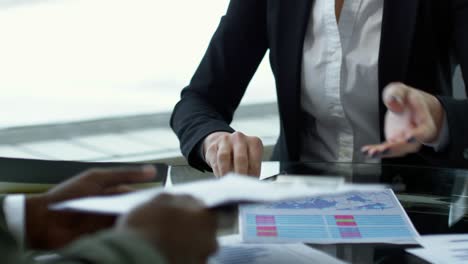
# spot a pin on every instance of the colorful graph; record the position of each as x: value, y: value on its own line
x: 345, y: 220
x: 348, y: 217
x: 347, y: 226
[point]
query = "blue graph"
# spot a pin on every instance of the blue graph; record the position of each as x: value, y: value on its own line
x: 353, y: 216
x: 350, y: 201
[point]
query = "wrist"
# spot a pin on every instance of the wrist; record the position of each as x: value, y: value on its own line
x: 36, y: 217
x: 210, y: 139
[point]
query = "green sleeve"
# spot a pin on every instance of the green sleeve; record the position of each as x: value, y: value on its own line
x: 110, y: 247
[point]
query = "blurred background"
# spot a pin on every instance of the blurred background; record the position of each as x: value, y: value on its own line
x: 96, y: 80
x: 71, y: 60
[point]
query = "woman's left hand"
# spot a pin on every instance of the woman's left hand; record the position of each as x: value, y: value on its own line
x: 413, y: 118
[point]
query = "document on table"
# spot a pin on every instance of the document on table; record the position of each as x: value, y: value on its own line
x: 443, y: 249
x: 232, y: 251
x: 231, y: 189
x: 269, y: 169
x: 372, y: 216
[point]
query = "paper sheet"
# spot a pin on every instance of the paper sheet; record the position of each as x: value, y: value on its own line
x: 443, y: 249
x: 269, y: 169
x: 231, y: 189
x: 355, y: 217
x: 232, y: 251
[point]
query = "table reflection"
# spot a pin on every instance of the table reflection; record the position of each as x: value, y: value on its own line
x: 435, y: 199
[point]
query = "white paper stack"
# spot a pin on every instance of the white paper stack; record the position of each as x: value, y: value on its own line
x: 231, y: 189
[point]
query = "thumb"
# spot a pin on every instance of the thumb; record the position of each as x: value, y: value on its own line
x: 394, y: 97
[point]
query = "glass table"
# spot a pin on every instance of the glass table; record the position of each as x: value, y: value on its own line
x: 435, y: 199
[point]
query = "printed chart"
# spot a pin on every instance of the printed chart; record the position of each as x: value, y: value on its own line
x: 354, y: 217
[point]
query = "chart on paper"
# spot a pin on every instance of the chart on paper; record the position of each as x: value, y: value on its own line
x: 355, y: 217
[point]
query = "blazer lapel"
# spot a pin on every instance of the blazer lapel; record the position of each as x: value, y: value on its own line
x: 398, y: 26
x: 290, y: 18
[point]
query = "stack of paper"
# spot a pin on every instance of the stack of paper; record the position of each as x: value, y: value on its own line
x: 232, y: 189
x: 367, y: 216
x: 443, y: 249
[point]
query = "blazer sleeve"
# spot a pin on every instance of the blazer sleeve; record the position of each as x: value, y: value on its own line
x: 457, y: 110
x: 208, y: 103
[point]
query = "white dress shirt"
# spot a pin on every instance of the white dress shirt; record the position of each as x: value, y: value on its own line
x: 14, y: 211
x: 339, y: 86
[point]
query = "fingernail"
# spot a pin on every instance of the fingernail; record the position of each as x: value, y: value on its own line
x: 411, y: 140
x: 397, y: 98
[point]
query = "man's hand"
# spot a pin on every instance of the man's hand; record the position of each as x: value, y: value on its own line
x: 225, y: 152
x: 413, y: 118
x: 46, y: 229
x: 179, y: 227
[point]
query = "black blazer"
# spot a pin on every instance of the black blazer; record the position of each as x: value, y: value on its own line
x: 421, y: 43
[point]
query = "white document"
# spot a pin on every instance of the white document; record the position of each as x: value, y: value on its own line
x: 231, y: 189
x: 374, y: 216
x: 269, y: 169
x: 443, y: 249
x: 232, y: 251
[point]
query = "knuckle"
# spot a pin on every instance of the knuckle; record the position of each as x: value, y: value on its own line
x: 223, y: 155
x: 212, y: 148
x: 238, y: 136
x: 256, y: 142
x: 226, y: 137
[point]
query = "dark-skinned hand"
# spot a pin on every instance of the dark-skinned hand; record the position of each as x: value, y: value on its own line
x: 179, y: 227
x: 47, y: 229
